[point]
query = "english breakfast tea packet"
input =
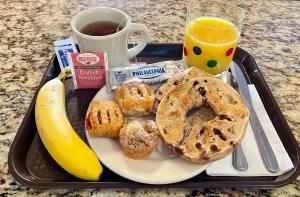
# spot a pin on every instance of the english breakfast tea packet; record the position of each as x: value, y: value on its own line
x: 88, y: 69
x: 147, y: 73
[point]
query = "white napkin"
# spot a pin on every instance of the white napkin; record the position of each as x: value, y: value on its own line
x: 256, y: 165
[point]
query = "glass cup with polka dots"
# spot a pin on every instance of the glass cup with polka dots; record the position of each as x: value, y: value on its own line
x: 211, y: 35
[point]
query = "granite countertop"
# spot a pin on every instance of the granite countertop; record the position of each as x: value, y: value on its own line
x: 28, y: 28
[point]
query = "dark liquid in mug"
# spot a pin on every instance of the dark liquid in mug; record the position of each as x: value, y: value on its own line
x: 101, y: 28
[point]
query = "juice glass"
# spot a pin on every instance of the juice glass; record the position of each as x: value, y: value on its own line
x: 211, y: 36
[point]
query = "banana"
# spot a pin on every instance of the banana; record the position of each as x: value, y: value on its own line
x: 57, y: 134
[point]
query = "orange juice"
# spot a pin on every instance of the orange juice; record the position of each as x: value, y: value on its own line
x: 210, y: 43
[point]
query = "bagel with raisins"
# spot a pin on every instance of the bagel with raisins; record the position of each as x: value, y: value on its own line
x: 172, y: 83
x: 212, y: 137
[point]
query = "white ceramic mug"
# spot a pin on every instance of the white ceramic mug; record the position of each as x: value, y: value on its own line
x: 115, y: 45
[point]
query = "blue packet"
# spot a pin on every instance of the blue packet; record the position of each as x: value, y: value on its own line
x: 62, y: 49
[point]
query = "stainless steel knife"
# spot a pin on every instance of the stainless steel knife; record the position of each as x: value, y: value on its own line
x: 264, y: 146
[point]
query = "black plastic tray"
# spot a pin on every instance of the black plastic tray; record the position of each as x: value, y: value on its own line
x: 31, y: 165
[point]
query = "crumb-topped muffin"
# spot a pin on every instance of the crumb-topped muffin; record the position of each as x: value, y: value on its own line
x: 139, y: 139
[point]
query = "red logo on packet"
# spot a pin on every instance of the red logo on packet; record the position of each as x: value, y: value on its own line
x: 88, y: 70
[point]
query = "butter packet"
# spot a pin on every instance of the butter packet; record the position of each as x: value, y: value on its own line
x: 88, y: 69
x: 62, y: 49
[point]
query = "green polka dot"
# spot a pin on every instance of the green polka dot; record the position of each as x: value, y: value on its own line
x: 211, y: 63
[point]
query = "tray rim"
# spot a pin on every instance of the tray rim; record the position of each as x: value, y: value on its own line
x: 130, y: 184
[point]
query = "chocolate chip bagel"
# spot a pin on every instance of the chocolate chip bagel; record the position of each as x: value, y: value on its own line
x: 210, y: 137
x: 172, y: 83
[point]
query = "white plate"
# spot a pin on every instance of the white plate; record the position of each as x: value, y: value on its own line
x: 161, y: 167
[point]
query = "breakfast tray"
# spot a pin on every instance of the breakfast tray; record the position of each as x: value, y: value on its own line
x: 31, y: 165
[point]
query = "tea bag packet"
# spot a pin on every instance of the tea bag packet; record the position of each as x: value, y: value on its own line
x: 62, y: 49
x: 88, y: 69
x: 147, y: 73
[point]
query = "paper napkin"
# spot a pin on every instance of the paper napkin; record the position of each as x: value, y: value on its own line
x: 256, y: 165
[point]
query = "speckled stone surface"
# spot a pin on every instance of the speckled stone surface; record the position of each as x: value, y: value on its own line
x: 28, y: 28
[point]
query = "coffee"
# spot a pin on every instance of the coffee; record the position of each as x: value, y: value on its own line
x: 101, y: 28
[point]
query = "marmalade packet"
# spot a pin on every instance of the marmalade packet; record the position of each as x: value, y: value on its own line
x: 88, y: 69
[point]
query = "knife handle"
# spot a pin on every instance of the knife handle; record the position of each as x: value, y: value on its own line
x: 239, y: 160
x: 263, y: 143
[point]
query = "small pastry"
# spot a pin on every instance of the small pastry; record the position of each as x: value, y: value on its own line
x: 139, y: 139
x: 135, y: 99
x: 104, y: 119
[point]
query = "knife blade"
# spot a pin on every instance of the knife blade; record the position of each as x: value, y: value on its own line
x: 263, y: 143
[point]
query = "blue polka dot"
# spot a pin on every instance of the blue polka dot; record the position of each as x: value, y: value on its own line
x: 197, y: 50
